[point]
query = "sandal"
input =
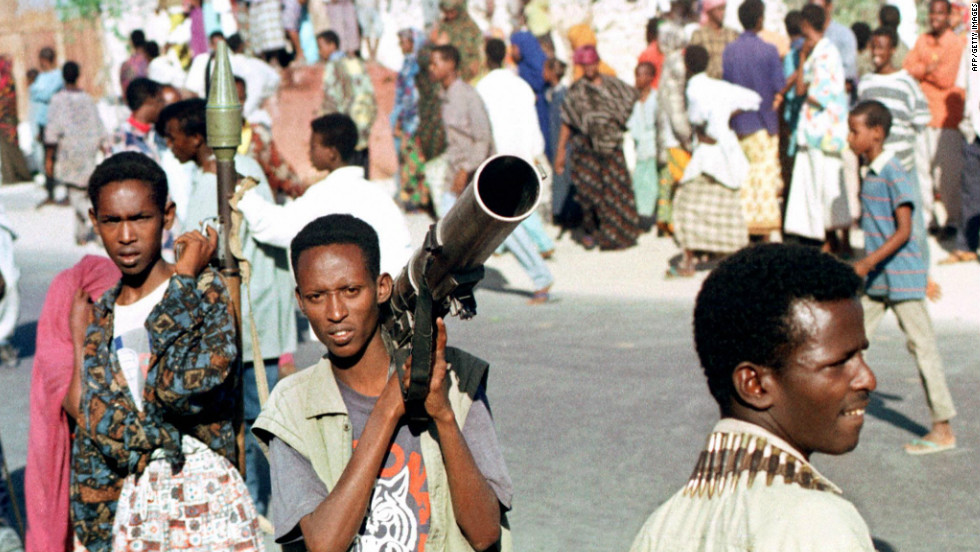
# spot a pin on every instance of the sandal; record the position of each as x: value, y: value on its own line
x: 918, y: 447
x: 540, y: 297
x: 959, y: 257
x: 678, y: 272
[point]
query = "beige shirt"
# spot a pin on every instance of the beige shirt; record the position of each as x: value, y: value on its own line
x: 469, y: 140
x: 779, y: 517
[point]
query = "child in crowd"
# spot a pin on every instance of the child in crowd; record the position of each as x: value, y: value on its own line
x: 901, y: 94
x: 642, y: 125
x: 893, y: 267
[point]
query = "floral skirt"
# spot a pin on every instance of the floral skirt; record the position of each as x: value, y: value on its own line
x: 413, y: 193
x: 203, y: 507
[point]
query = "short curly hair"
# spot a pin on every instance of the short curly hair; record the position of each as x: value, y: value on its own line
x: 744, y: 311
x: 338, y: 229
x: 129, y: 165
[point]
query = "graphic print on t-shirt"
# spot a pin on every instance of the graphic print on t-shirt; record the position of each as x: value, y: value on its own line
x: 133, y: 353
x: 398, y: 518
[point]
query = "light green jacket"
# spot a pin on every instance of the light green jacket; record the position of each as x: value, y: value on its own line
x: 307, y: 412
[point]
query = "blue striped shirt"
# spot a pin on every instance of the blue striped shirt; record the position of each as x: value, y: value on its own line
x: 886, y: 187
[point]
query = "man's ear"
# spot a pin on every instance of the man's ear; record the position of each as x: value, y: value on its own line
x: 93, y: 219
x: 169, y: 212
x: 754, y: 385
x: 385, y: 285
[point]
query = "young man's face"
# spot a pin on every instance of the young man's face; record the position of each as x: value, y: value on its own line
x: 130, y: 225
x: 860, y: 137
x: 155, y: 105
x: 325, y: 48
x: 439, y: 67
x: 336, y: 292
x: 406, y: 44
x: 321, y: 157
x: 643, y: 77
x: 820, y: 395
x: 938, y: 17
x: 882, y: 50
x: 590, y: 70
x: 717, y: 15
x: 184, y: 146
x: 240, y: 91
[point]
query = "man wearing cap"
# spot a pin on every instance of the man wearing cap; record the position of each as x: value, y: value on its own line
x: 713, y: 35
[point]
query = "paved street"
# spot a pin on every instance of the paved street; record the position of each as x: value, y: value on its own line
x: 599, y: 402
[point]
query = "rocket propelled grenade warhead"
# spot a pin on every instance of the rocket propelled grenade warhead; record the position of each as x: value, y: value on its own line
x: 224, y: 112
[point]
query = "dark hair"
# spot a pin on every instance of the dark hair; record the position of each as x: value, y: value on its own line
x: 190, y: 114
x: 862, y: 32
x: 47, y: 54
x: 70, y: 72
x: 792, y: 22
x: 337, y: 131
x: 949, y: 6
x: 876, y: 115
x: 653, y: 29
x: 235, y: 42
x: 815, y: 16
x: 648, y: 66
x: 448, y: 52
x: 496, y: 51
x: 890, y: 16
x: 338, y: 229
x: 139, y: 90
x: 129, y: 165
x: 216, y: 34
x: 750, y: 12
x: 695, y: 59
x: 890, y: 32
x: 555, y: 64
x: 745, y: 309
x: 32, y: 73
x: 138, y: 38
x: 329, y: 37
x: 152, y: 49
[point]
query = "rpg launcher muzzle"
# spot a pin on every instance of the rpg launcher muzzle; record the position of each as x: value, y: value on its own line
x: 440, y: 277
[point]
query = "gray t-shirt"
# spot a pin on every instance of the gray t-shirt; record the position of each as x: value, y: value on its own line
x: 399, y: 509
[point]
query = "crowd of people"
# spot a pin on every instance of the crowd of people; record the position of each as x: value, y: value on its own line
x: 731, y: 131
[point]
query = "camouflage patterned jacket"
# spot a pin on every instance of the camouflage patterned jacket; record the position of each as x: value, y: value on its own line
x: 190, y: 389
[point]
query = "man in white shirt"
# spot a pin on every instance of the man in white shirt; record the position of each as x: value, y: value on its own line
x: 514, y: 124
x: 343, y: 191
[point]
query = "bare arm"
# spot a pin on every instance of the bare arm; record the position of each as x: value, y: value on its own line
x: 903, y: 221
x: 475, y: 505
x: 335, y: 522
x: 563, y: 136
x: 79, y: 318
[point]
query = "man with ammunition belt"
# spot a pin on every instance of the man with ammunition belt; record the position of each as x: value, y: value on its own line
x: 780, y: 333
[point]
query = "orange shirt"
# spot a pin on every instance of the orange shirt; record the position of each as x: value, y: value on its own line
x: 939, y: 84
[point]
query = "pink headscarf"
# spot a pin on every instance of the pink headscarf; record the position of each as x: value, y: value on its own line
x: 47, y: 473
x: 707, y: 6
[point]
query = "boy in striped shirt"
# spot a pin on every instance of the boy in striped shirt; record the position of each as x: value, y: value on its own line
x: 901, y: 94
x: 893, y: 267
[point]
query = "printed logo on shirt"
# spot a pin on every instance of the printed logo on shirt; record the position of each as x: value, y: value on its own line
x: 398, y: 518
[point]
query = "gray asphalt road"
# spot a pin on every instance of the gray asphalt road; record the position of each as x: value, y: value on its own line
x: 601, y: 410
